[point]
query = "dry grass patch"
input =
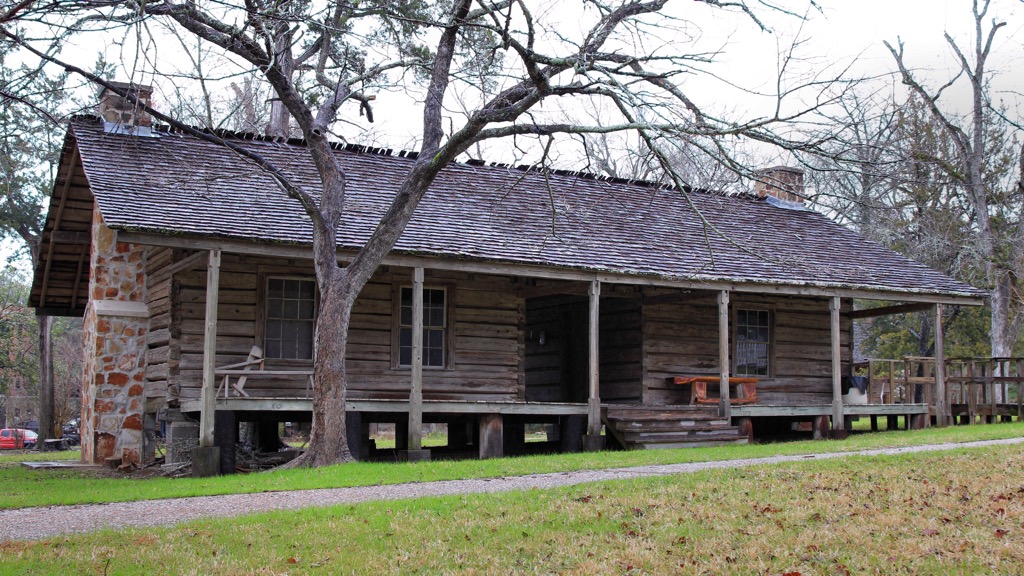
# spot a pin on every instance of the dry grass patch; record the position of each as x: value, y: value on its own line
x: 955, y: 513
x: 26, y: 488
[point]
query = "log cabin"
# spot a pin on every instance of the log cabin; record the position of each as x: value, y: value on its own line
x: 610, y: 310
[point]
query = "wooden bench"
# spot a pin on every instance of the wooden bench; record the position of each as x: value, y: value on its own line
x: 242, y: 371
x: 745, y: 389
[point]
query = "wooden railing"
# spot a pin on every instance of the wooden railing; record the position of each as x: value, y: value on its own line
x: 989, y: 388
x: 985, y: 387
x: 910, y: 380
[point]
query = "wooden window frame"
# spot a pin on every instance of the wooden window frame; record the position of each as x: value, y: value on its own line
x: 449, y: 330
x: 263, y: 278
x: 734, y: 330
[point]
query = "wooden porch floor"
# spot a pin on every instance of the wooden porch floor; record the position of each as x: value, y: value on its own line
x: 766, y: 410
x: 429, y: 406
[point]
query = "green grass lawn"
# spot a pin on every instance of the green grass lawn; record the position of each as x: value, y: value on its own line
x: 957, y: 512
x: 23, y: 487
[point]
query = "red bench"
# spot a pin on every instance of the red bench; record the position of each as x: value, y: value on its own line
x: 745, y: 389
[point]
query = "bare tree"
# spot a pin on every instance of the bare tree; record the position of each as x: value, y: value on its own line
x: 31, y: 100
x: 997, y: 223
x: 319, y: 57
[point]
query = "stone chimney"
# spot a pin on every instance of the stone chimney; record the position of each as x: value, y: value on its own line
x: 119, y: 110
x: 782, y: 182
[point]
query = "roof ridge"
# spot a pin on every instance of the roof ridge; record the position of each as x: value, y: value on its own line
x: 413, y: 154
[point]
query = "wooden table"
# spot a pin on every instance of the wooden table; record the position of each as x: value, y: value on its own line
x: 746, y: 389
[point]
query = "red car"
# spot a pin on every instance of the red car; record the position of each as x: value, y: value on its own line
x: 15, y: 438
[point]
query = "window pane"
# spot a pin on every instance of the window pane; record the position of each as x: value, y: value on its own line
x: 290, y: 309
x: 753, y: 337
x: 306, y: 309
x: 435, y: 318
x: 273, y: 348
x: 434, y: 323
x: 304, y: 349
x: 288, y: 348
x: 435, y: 297
x: 273, y: 308
x: 273, y: 329
x: 275, y: 288
x: 291, y: 312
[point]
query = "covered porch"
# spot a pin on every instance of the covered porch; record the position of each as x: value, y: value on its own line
x: 594, y: 354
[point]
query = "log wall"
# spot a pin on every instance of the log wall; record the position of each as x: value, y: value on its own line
x: 556, y: 371
x: 680, y: 338
x: 163, y: 350
x: 485, y: 337
x: 621, y: 352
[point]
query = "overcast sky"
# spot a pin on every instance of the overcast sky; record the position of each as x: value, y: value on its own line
x: 843, y: 32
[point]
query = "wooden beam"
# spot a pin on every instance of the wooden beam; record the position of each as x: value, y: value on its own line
x: 492, y: 441
x: 725, y: 403
x: 397, y: 406
x: 82, y: 257
x: 695, y: 282
x: 941, y: 402
x: 416, y: 386
x: 763, y: 411
x: 72, y: 164
x: 683, y: 297
x: 67, y: 237
x: 569, y: 288
x: 60, y: 311
x: 887, y: 310
x: 209, y: 391
x: 837, y: 367
x: 594, y: 366
x: 184, y: 264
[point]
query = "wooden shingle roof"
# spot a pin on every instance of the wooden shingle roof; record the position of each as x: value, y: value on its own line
x: 175, y: 184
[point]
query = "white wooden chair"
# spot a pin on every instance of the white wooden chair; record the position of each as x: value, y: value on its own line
x: 241, y: 370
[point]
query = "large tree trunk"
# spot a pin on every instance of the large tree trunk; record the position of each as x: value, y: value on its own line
x: 1002, y: 332
x: 1005, y: 325
x: 328, y: 442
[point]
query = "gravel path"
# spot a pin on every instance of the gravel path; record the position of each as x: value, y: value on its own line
x: 45, y: 522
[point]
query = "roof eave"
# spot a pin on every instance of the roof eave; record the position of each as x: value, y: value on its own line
x: 486, y: 266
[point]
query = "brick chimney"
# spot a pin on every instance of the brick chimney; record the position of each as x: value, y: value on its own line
x: 119, y: 110
x: 782, y: 182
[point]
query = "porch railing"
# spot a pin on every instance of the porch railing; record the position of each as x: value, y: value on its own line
x: 975, y: 387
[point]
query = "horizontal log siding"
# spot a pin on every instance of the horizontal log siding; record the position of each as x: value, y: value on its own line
x: 556, y: 370
x: 486, y: 334
x: 681, y: 339
x: 162, y: 350
x: 236, y: 323
x: 621, y: 350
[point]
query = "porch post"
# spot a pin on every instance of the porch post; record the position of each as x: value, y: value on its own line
x: 593, y: 440
x: 940, y: 371
x: 209, y: 390
x: 416, y: 386
x: 838, y: 422
x: 725, y: 403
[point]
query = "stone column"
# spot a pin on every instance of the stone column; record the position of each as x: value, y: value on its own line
x: 115, y: 327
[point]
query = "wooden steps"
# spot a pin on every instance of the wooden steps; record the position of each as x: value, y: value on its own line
x: 647, y: 427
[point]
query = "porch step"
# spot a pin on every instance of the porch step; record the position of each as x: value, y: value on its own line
x: 668, y: 425
x: 647, y: 427
x: 648, y: 413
